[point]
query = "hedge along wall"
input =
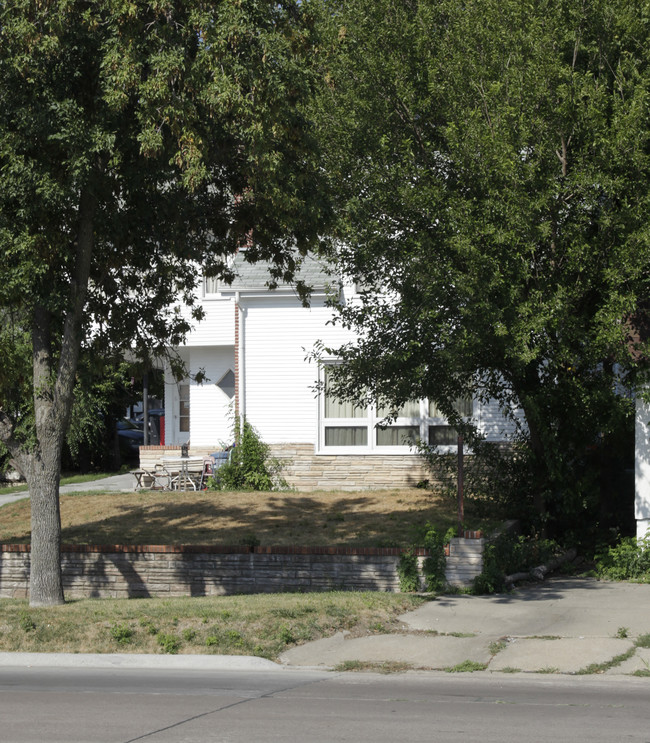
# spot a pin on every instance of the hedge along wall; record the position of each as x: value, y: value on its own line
x: 115, y: 571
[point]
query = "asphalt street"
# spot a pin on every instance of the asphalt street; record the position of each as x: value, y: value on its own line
x: 43, y: 705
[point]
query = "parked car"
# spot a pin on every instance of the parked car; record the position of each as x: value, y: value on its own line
x: 156, y: 423
x: 131, y: 438
x: 153, y: 413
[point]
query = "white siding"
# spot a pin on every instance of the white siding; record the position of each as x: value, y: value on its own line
x: 172, y: 434
x: 210, y: 408
x: 493, y: 423
x: 217, y: 327
x: 210, y: 417
x: 279, y: 399
x: 642, y: 468
x: 278, y: 333
x: 276, y: 380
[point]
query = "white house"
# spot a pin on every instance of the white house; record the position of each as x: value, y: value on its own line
x: 642, y: 468
x: 253, y: 347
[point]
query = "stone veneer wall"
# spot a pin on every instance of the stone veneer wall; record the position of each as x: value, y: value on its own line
x: 161, y: 571
x: 307, y: 471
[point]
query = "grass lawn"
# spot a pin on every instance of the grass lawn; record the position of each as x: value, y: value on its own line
x: 262, y: 624
x: 377, y: 518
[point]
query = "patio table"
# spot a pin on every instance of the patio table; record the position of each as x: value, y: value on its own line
x: 185, y: 472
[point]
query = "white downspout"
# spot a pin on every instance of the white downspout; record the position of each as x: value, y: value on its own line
x: 241, y: 358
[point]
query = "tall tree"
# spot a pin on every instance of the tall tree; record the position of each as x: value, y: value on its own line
x: 491, y: 163
x: 140, y: 142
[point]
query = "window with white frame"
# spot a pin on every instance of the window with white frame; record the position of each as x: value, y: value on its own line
x: 184, y: 408
x: 345, y: 424
x: 439, y: 432
x: 404, y: 429
x: 346, y: 427
x: 211, y: 286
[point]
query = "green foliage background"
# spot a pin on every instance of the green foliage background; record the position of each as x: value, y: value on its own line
x: 491, y: 180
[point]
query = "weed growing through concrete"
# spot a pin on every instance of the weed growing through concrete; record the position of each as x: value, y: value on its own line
x: 622, y: 632
x: 467, y: 666
x: 602, y: 667
x: 497, y: 646
x: 373, y: 666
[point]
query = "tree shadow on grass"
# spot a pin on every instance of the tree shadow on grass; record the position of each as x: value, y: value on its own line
x: 262, y: 518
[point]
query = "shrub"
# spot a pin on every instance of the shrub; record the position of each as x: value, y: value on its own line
x: 628, y: 560
x: 251, y: 466
x: 407, y: 570
x: 496, y: 478
x: 434, y: 566
x: 508, y: 554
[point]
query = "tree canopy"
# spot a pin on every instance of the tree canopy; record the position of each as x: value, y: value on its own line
x: 490, y: 161
x: 140, y: 142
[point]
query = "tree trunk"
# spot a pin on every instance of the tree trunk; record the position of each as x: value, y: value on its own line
x: 45, y: 579
x: 52, y: 405
x: 529, y: 383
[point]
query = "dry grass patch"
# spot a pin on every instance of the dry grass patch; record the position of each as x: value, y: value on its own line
x: 263, y: 624
x: 364, y: 519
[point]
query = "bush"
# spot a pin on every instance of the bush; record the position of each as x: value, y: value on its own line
x: 496, y: 478
x: 407, y: 570
x: 628, y: 560
x: 434, y: 566
x: 509, y: 554
x: 251, y: 466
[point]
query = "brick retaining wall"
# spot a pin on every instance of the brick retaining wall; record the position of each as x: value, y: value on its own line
x: 159, y: 571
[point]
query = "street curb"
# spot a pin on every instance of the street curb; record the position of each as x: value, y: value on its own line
x: 139, y: 660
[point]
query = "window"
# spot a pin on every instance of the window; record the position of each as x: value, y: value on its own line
x: 210, y: 286
x: 341, y: 419
x: 184, y: 408
x: 346, y: 427
x: 227, y: 383
x: 404, y: 430
x: 441, y: 433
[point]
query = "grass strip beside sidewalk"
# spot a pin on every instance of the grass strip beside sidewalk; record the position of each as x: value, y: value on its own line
x: 263, y: 625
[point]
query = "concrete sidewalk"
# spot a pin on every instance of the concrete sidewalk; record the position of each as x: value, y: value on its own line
x: 115, y: 484
x: 565, y: 625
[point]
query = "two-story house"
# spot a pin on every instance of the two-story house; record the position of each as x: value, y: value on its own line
x: 251, y: 353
